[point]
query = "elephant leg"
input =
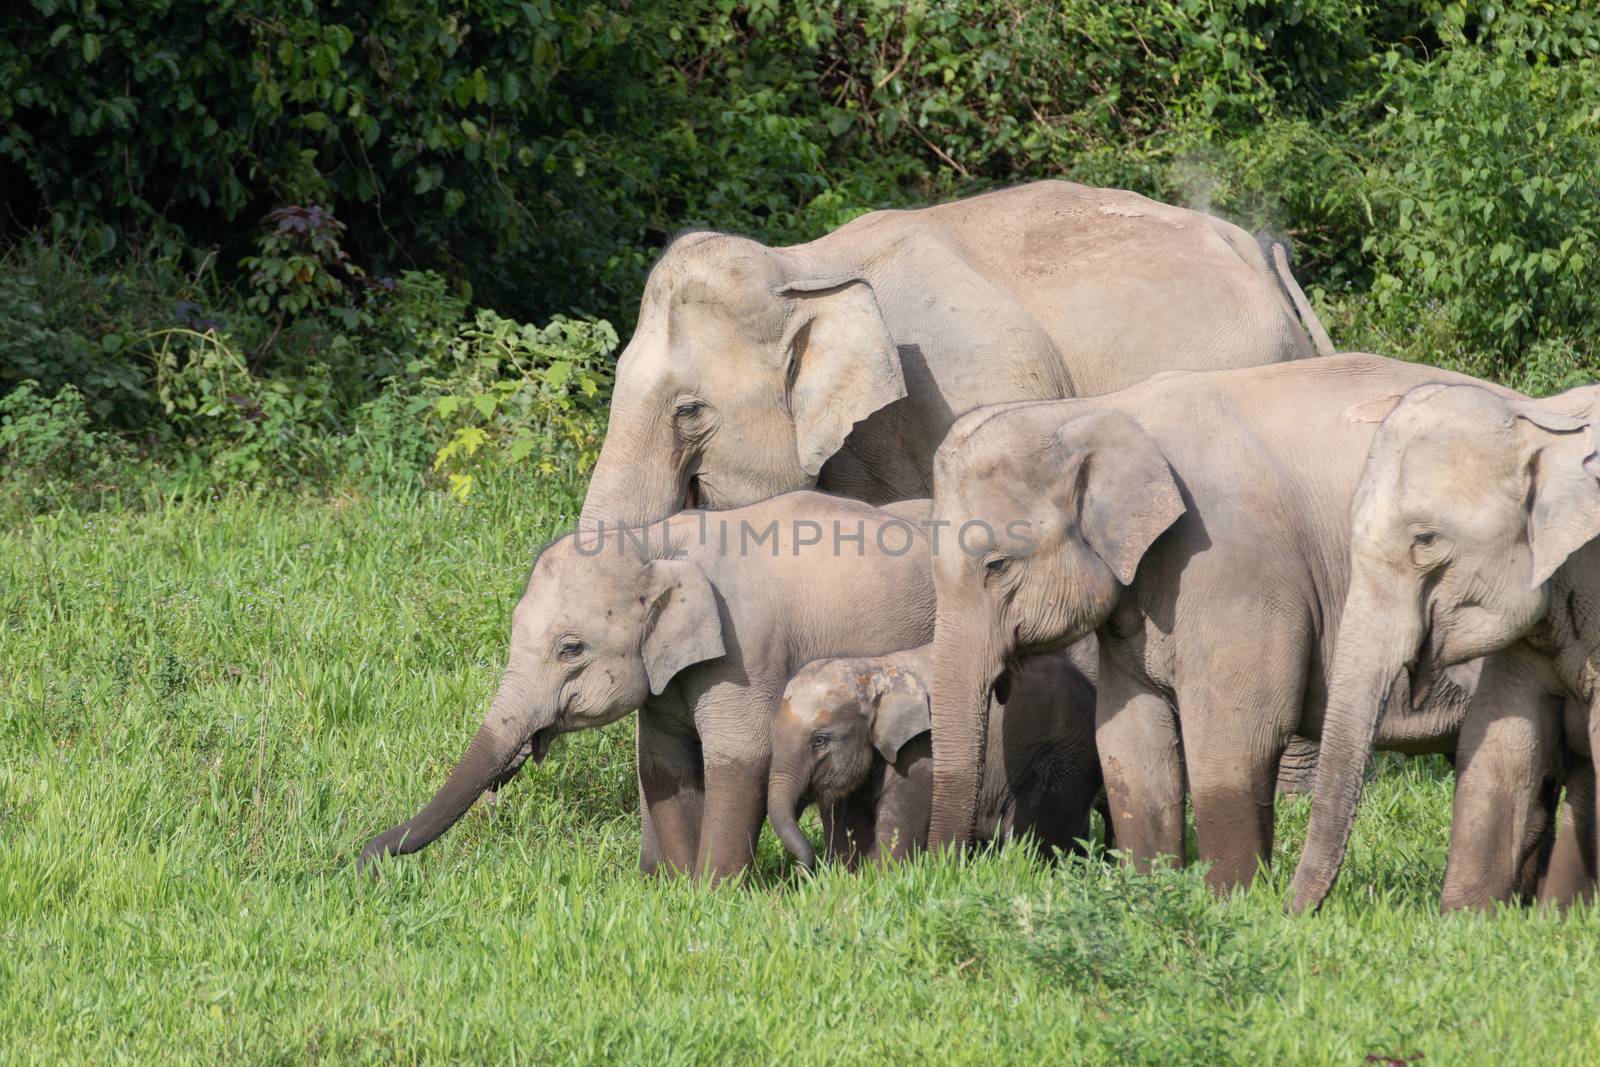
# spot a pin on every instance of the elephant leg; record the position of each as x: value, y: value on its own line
x: 1055, y: 804
x: 650, y: 852
x: 1237, y: 715
x: 1232, y: 783
x: 1137, y: 737
x: 848, y: 831
x: 1058, y: 821
x: 1505, y: 762
x: 671, y: 798
x: 1570, y: 877
x: 736, y: 805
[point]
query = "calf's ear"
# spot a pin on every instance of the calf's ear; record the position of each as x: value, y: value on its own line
x: 901, y: 711
x: 683, y: 626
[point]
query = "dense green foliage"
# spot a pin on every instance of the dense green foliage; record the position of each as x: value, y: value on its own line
x: 206, y: 708
x: 274, y: 171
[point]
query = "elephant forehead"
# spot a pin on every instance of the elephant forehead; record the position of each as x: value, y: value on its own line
x: 814, y: 697
x: 995, y: 500
x: 713, y: 268
x: 604, y: 572
x: 1465, y: 415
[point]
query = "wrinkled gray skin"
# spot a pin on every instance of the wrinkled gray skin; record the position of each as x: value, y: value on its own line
x: 840, y: 364
x: 851, y: 737
x: 1198, y: 525
x: 1473, y: 534
x: 701, y: 639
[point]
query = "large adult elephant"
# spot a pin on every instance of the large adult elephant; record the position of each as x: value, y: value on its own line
x: 840, y: 364
x: 1197, y: 524
x: 1475, y: 532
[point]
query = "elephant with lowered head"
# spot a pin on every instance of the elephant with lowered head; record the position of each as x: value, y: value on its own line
x: 840, y: 364
x: 1197, y: 524
x: 1474, y: 533
x: 851, y: 737
x: 697, y: 621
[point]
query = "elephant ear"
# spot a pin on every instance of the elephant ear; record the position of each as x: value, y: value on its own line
x: 1118, y: 484
x: 901, y: 711
x: 843, y: 365
x: 684, y: 626
x: 1564, y: 494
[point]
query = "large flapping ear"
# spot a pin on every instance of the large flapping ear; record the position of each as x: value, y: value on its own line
x: 843, y: 365
x: 901, y: 711
x: 684, y: 626
x: 1116, y: 480
x: 1564, y: 492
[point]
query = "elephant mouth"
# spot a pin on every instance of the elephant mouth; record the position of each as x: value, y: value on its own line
x: 537, y: 747
x: 1423, y: 669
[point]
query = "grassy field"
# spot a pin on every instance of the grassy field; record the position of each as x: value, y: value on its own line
x: 205, y: 709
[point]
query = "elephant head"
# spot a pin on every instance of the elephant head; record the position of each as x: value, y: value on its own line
x: 1469, y: 503
x: 835, y: 715
x: 748, y: 369
x: 1045, y: 511
x: 591, y: 639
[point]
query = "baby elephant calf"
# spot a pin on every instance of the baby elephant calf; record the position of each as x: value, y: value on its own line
x: 852, y: 736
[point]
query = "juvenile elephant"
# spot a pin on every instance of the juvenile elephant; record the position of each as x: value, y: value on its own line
x: 1474, y: 534
x: 697, y: 621
x: 1197, y: 524
x: 841, y: 363
x: 851, y: 736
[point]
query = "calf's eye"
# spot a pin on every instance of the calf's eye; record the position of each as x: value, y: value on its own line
x: 819, y: 742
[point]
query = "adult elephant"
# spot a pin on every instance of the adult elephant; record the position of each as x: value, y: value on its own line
x: 1198, y: 525
x: 1475, y: 532
x: 841, y: 363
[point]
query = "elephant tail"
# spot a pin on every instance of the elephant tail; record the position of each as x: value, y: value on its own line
x: 1277, y: 250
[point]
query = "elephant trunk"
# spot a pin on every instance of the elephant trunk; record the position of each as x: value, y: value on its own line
x: 488, y: 762
x: 967, y: 659
x: 1380, y: 634
x: 636, y: 480
x: 785, y: 797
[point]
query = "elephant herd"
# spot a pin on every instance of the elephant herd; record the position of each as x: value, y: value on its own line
x: 959, y: 522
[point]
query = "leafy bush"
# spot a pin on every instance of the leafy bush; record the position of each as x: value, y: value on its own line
x: 332, y: 235
x: 74, y: 319
x: 50, y: 455
x: 512, y: 392
x: 47, y: 436
x: 1487, y: 191
x: 244, y: 428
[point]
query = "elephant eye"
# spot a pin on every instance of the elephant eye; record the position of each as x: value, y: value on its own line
x: 996, y: 566
x: 571, y: 648
x: 1423, y: 540
x: 688, y: 409
x: 819, y: 742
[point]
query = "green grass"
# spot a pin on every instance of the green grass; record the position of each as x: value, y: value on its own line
x: 205, y: 709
